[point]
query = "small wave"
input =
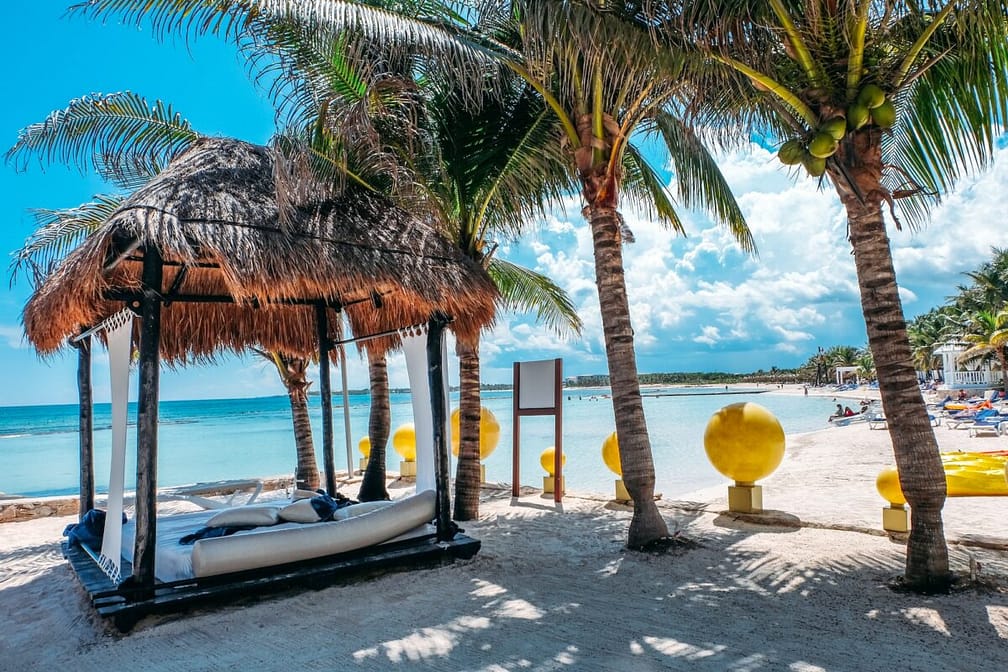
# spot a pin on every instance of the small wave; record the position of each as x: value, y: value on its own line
x: 19, y: 434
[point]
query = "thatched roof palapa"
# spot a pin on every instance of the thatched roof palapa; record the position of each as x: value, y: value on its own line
x: 235, y: 275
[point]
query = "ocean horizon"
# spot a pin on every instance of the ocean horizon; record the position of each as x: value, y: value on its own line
x: 218, y: 439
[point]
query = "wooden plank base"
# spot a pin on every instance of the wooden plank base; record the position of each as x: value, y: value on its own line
x: 126, y: 605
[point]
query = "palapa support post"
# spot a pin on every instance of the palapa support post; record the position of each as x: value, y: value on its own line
x: 86, y: 426
x: 145, y: 545
x: 325, y: 390
x: 435, y: 332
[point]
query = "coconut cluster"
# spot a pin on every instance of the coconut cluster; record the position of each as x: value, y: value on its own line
x: 871, y: 105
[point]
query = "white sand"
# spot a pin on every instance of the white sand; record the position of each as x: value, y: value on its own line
x: 555, y: 589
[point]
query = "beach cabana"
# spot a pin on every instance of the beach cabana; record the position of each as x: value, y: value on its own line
x: 210, y: 260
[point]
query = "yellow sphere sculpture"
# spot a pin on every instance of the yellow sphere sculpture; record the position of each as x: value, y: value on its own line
x: 364, y: 446
x: 548, y: 457
x: 404, y: 442
x: 888, y: 486
x: 610, y: 454
x: 744, y: 441
x: 489, y: 432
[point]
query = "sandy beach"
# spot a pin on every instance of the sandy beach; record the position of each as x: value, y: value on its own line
x: 553, y: 588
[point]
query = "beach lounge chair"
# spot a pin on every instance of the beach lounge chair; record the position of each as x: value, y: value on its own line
x: 878, y: 420
x: 989, y: 424
x: 961, y: 419
x: 200, y: 493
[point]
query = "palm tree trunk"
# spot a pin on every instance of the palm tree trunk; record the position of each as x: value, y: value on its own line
x: 922, y: 476
x: 306, y: 474
x: 373, y: 485
x: 647, y: 524
x: 467, y: 474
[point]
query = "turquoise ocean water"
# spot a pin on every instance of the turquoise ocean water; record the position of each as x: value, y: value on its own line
x: 238, y: 438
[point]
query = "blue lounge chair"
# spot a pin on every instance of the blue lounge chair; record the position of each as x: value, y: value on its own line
x: 992, y: 423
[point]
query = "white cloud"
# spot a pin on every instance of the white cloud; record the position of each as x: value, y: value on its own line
x: 709, y: 335
x: 699, y: 302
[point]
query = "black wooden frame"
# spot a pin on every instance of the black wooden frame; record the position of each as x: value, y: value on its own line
x: 140, y: 593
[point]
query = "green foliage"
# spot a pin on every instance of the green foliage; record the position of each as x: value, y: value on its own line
x: 526, y: 290
x: 119, y: 135
x: 58, y: 232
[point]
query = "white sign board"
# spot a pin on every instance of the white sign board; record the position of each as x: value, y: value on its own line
x: 538, y: 384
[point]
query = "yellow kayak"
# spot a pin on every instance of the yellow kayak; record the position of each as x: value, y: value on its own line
x: 966, y: 475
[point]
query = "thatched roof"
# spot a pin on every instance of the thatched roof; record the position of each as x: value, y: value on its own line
x: 213, y: 216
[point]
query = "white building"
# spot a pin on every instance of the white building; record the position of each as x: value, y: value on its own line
x: 956, y: 379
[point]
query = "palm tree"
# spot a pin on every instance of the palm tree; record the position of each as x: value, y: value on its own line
x: 483, y: 171
x: 842, y: 355
x: 926, y: 332
x: 497, y: 165
x: 866, y: 364
x: 989, y: 290
x: 597, y: 75
x: 605, y: 86
x: 379, y: 421
x: 293, y: 374
x: 891, y: 102
x: 987, y: 335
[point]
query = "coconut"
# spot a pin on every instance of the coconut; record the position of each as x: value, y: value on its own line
x: 790, y: 153
x: 822, y: 145
x: 871, y: 96
x: 836, y: 127
x: 857, y: 116
x: 814, y: 165
x: 885, y: 114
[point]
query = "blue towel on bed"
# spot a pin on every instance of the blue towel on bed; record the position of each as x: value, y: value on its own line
x: 325, y: 506
x: 90, y: 530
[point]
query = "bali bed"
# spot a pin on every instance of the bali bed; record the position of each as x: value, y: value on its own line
x: 275, y: 554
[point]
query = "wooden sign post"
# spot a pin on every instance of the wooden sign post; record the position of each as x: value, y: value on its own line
x: 538, y: 391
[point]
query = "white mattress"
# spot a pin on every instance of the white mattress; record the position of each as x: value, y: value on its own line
x: 173, y: 561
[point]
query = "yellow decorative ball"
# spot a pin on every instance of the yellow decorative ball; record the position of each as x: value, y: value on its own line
x: 404, y: 442
x: 547, y: 459
x: 610, y: 454
x: 888, y: 486
x: 489, y: 432
x: 364, y: 446
x: 744, y: 441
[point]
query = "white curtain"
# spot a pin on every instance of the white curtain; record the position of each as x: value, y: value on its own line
x: 415, y: 348
x: 120, y: 332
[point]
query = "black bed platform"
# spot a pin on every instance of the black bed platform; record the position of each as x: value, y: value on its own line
x: 126, y: 605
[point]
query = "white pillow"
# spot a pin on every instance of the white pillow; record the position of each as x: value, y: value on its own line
x: 360, y: 509
x: 246, y: 515
x: 300, y: 511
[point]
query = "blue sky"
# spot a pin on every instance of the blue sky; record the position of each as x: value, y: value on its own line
x: 698, y: 304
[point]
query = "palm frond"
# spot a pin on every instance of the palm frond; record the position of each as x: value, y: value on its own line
x: 643, y: 186
x: 503, y: 160
x: 58, y: 232
x: 699, y: 180
x: 523, y: 289
x: 120, y: 135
